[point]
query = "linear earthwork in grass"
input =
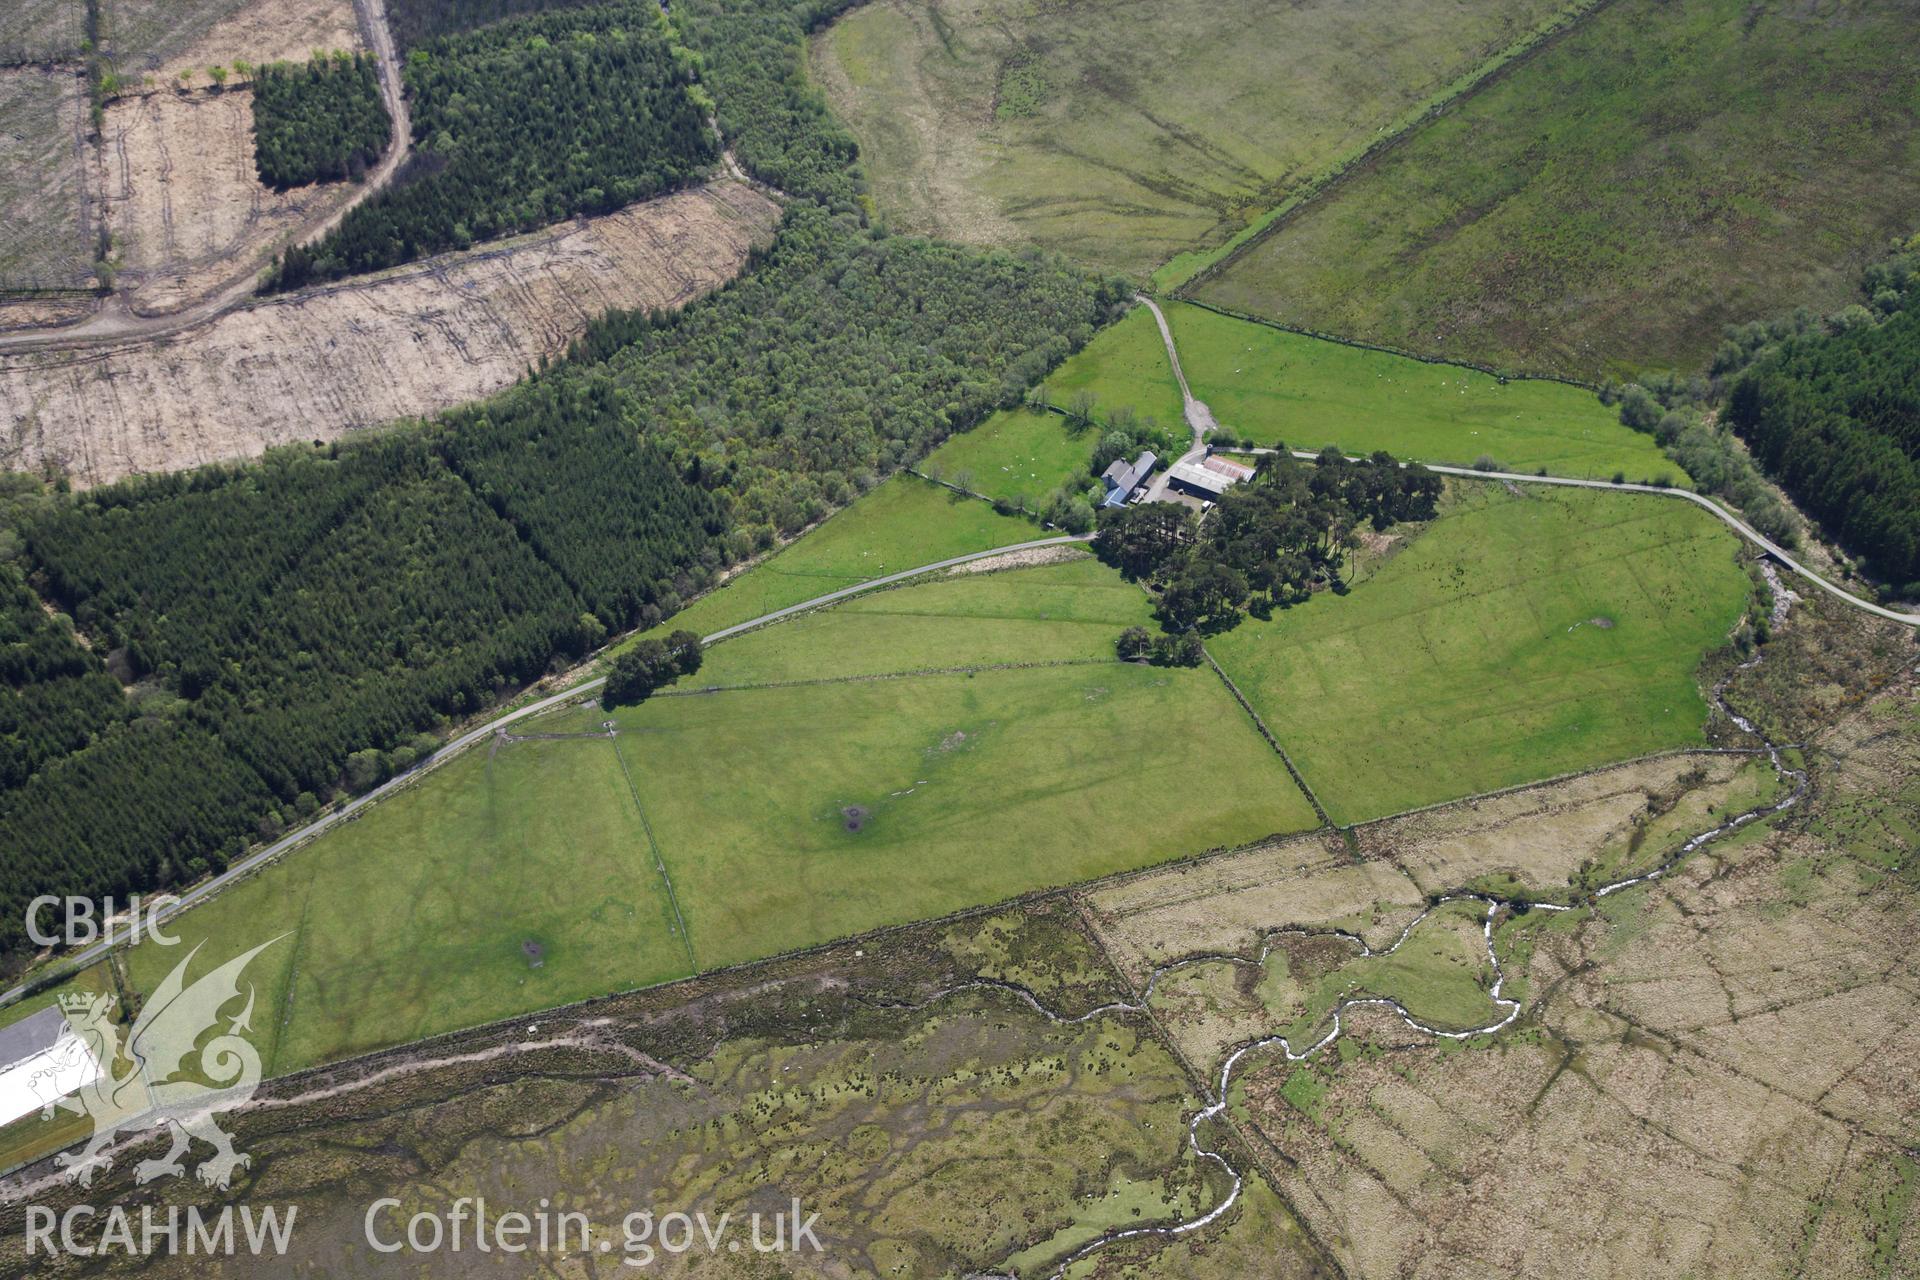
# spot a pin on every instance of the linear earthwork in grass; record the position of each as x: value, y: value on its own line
x: 523, y: 875
x: 1521, y: 635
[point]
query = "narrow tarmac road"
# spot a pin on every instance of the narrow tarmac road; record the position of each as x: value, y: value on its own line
x: 81, y: 959
x: 1739, y: 526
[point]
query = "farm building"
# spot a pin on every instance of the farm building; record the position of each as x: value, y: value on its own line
x: 1123, y: 479
x: 1207, y: 479
x: 41, y: 1061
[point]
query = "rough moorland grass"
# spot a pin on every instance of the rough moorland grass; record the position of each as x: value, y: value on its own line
x: 964, y: 789
x: 902, y: 523
x: 415, y: 917
x: 1125, y: 132
x: 1068, y: 612
x: 1471, y: 660
x: 1612, y: 202
x: 1268, y: 386
x: 1439, y: 974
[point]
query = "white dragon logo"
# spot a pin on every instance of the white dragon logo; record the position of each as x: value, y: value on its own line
x: 153, y: 1091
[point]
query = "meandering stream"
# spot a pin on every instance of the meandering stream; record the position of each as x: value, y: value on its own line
x: 1508, y: 1009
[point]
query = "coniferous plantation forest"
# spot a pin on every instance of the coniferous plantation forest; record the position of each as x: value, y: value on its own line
x: 318, y: 122
x: 1833, y: 410
x: 279, y: 621
x: 1279, y: 764
x: 518, y: 125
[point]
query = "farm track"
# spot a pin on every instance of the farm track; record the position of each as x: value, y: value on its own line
x: 1512, y: 478
x: 492, y: 730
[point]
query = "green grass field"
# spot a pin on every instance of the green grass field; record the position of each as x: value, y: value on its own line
x: 1615, y: 200
x: 1124, y: 366
x: 1021, y: 455
x: 1122, y: 132
x: 904, y: 522
x: 1068, y: 612
x: 416, y: 917
x: 964, y: 789
x: 1268, y: 385
x: 1472, y: 660
x: 522, y: 876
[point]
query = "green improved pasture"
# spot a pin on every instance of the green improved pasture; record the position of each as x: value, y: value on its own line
x: 791, y: 815
x: 1125, y: 132
x: 1021, y: 455
x: 1516, y: 638
x: 903, y: 523
x: 1125, y: 366
x: 1068, y: 612
x: 1613, y: 201
x: 1268, y: 386
x: 508, y: 880
x: 521, y: 875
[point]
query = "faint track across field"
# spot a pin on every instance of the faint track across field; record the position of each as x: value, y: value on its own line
x: 494, y: 729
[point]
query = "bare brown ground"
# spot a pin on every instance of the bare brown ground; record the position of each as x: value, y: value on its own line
x: 1032, y: 557
x: 43, y: 237
x: 188, y: 212
x: 265, y: 31
x: 1718, y: 1074
x: 1224, y: 904
x: 29, y: 312
x: 1539, y: 836
x: 412, y: 342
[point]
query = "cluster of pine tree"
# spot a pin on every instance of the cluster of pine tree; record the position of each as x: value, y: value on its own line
x: 54, y: 693
x: 518, y: 125
x: 321, y: 122
x: 1270, y: 542
x: 1835, y: 418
